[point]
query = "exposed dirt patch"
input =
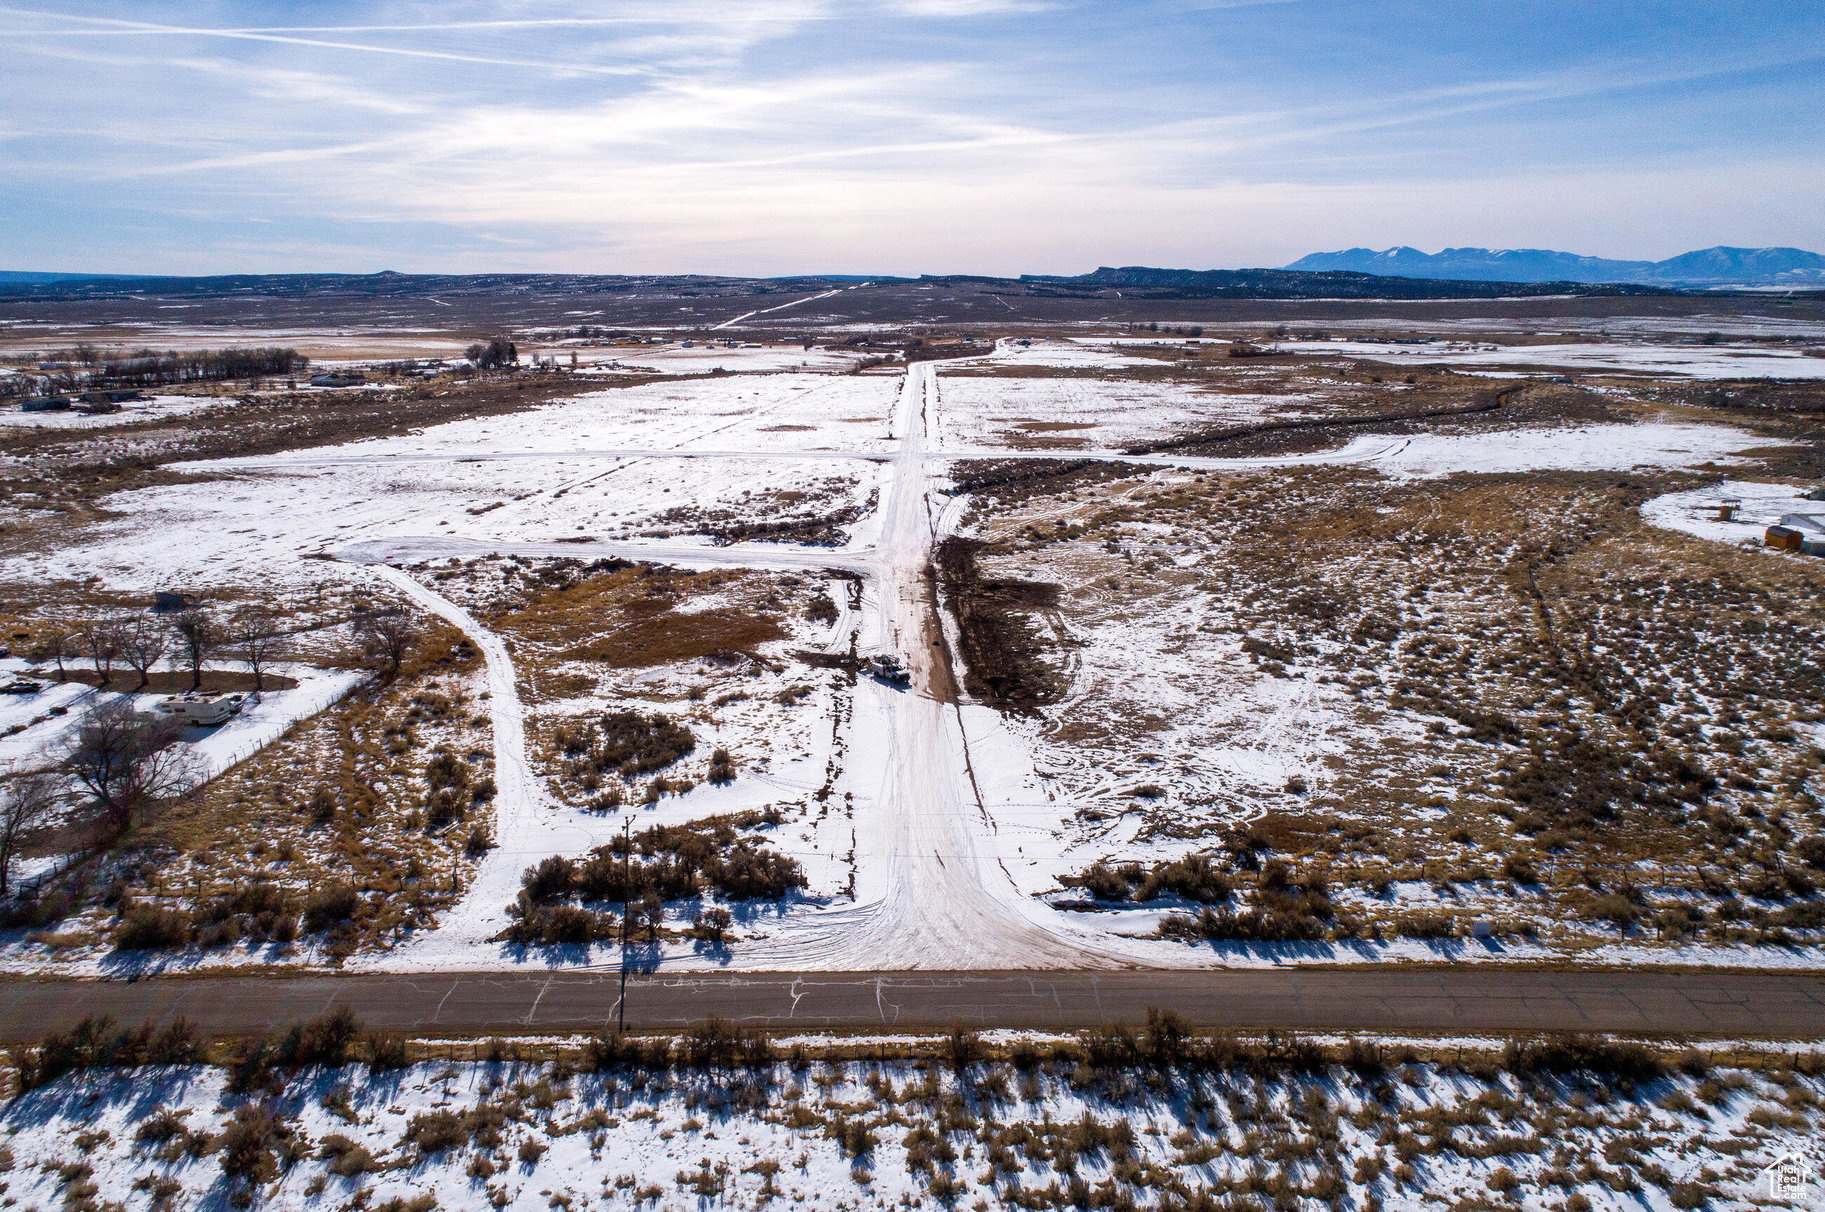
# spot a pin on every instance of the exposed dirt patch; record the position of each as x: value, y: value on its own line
x: 220, y: 681
x: 1005, y: 650
x: 670, y: 638
x: 629, y: 618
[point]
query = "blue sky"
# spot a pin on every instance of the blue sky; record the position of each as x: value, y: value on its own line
x: 989, y: 136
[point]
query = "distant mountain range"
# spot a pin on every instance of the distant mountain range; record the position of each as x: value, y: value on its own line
x: 1140, y: 281
x: 1359, y: 273
x: 14, y: 277
x: 1720, y: 266
x: 1133, y: 282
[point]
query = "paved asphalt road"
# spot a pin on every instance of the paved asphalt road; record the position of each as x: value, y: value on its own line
x: 1361, y: 1000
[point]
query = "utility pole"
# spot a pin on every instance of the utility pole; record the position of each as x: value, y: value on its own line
x: 627, y: 891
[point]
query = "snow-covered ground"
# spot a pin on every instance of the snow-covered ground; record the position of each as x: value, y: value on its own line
x: 1721, y: 361
x: 1761, y: 506
x: 150, y: 408
x: 701, y: 357
x: 1073, y: 354
x: 986, y: 411
x: 212, y: 750
x: 1407, y: 1134
x: 1569, y: 448
x: 956, y: 826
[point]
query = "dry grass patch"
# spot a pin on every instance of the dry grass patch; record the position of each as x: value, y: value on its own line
x: 362, y: 820
x: 628, y: 618
x: 1545, y: 712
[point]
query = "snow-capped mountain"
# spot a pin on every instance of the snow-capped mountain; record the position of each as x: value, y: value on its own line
x: 1720, y: 266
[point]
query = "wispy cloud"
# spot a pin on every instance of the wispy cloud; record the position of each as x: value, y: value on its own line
x: 763, y: 133
x: 970, y: 8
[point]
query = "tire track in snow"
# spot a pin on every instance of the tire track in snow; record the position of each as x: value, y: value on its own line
x: 782, y: 307
x: 938, y: 898
x: 519, y: 799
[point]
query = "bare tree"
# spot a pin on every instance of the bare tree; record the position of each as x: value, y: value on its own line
x: 28, y: 802
x: 388, y: 634
x: 143, y: 646
x: 104, y: 637
x: 58, y: 648
x: 198, y: 637
x: 125, y: 760
x: 257, y: 636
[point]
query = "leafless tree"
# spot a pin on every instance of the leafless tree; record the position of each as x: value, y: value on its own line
x: 28, y: 802
x: 258, y: 637
x: 125, y: 760
x: 58, y: 648
x: 652, y: 913
x: 144, y: 645
x: 104, y: 638
x: 388, y: 634
x: 198, y: 637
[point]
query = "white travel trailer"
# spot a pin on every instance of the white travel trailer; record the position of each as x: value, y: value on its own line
x: 202, y: 708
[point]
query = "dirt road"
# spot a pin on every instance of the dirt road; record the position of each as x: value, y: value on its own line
x: 934, y: 896
x: 1451, y: 1000
x: 928, y: 893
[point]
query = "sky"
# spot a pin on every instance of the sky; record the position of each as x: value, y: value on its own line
x: 774, y: 137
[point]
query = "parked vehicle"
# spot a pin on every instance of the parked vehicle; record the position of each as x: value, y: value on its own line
x: 201, y: 708
x: 889, y: 669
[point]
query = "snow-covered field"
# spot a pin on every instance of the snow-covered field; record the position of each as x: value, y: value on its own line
x: 1396, y: 1128
x: 1067, y: 413
x: 1570, y: 448
x: 148, y: 409
x: 961, y: 815
x: 1077, y: 353
x: 1719, y: 361
x: 702, y: 357
x: 1759, y: 506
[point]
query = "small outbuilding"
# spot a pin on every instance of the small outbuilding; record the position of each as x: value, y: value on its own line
x: 339, y: 378
x: 1811, y: 529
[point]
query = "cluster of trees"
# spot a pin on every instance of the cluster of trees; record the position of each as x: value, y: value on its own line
x: 255, y: 635
x: 1195, y: 330
x: 495, y: 353
x: 149, y: 369
x: 119, y: 761
x: 117, y: 764
x: 86, y: 367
